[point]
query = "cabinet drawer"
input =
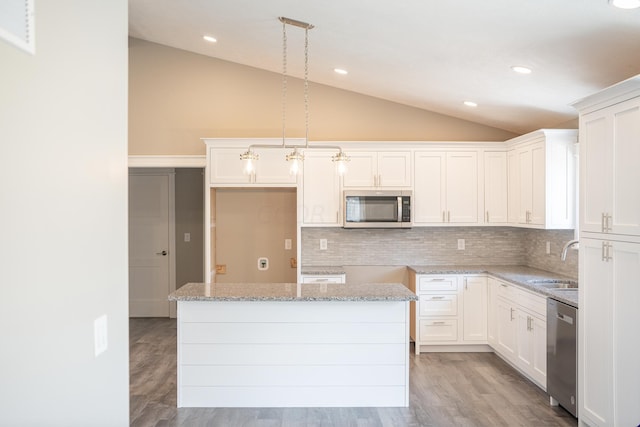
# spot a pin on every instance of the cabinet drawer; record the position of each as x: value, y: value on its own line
x: 506, y: 291
x: 323, y: 279
x: 535, y: 303
x: 432, y: 283
x: 438, y: 330
x: 438, y: 305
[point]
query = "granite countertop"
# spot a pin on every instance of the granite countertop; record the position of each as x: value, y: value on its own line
x: 516, y: 274
x: 322, y: 270
x: 292, y: 292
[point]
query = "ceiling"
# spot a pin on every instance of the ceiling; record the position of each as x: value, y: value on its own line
x: 424, y: 53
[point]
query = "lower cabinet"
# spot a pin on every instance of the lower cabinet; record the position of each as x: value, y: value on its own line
x: 451, y: 310
x: 520, y: 330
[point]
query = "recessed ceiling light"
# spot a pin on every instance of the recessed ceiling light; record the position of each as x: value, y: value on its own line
x: 625, y: 4
x: 210, y: 39
x: 340, y: 71
x: 470, y: 104
x: 520, y: 69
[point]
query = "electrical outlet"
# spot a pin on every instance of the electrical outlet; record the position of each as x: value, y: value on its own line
x: 263, y: 263
x: 323, y: 244
x: 187, y: 237
x: 461, y: 244
x: 287, y: 244
x: 548, y: 248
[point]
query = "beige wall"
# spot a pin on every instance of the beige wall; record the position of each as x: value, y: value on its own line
x: 252, y: 223
x: 177, y: 97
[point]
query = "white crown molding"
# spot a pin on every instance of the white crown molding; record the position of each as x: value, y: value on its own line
x: 161, y: 161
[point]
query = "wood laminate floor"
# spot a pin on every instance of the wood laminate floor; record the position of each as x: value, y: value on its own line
x: 447, y: 389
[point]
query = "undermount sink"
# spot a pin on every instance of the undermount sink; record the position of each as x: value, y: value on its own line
x: 555, y: 284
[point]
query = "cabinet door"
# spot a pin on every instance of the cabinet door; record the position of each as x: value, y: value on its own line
x: 429, y: 187
x: 272, y: 167
x: 525, y: 180
x: 596, y: 177
x: 320, y: 190
x: 513, y: 187
x: 595, y: 335
x: 538, y: 194
x: 225, y: 167
x: 394, y: 169
x: 462, y: 187
x: 524, y: 348
x: 474, y: 309
x: 538, y: 334
x: 362, y: 170
x: 495, y: 187
x: 506, y: 330
x: 492, y: 311
x: 626, y: 152
x: 625, y: 260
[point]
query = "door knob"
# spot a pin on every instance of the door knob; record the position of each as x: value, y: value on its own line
x: 163, y: 253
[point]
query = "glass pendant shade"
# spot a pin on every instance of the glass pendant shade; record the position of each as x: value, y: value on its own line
x: 249, y: 158
x: 295, y: 160
x: 341, y: 160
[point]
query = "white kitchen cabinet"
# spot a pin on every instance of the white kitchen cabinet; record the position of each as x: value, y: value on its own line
x: 608, y: 339
x: 226, y: 168
x: 495, y: 187
x: 609, y: 151
x: 541, y: 187
x: 521, y: 331
x: 451, y: 311
x: 492, y: 311
x: 608, y: 345
x: 446, y: 187
x: 321, y: 201
x: 474, y: 309
x: 381, y: 169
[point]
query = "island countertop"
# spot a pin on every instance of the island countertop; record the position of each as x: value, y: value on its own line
x: 293, y: 292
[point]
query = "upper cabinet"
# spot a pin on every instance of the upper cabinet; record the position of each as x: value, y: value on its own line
x: 495, y: 187
x: 609, y: 151
x: 321, y: 201
x: 542, y: 179
x: 226, y: 168
x: 382, y: 169
x: 445, y: 187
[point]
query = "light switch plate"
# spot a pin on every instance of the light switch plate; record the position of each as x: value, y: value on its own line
x: 287, y: 244
x: 100, y: 335
x: 461, y: 244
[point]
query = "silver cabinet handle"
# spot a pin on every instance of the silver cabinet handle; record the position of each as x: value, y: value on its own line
x: 437, y: 323
x: 512, y: 310
x: 437, y: 280
x: 487, y: 213
x: 437, y: 298
x: 604, y: 227
x: 607, y: 218
x: 503, y: 285
x: 443, y: 216
x: 466, y: 286
x: 379, y: 180
x: 448, y: 216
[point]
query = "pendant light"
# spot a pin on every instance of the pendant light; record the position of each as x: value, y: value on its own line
x: 296, y: 157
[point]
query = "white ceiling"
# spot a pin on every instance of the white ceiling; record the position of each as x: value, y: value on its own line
x: 428, y: 54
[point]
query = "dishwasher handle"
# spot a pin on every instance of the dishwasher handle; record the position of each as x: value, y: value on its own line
x: 565, y: 318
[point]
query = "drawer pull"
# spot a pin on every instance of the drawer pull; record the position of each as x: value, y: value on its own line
x: 437, y: 323
x: 436, y: 280
x: 437, y: 297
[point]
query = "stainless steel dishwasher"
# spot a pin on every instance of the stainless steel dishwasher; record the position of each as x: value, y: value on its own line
x: 562, y: 355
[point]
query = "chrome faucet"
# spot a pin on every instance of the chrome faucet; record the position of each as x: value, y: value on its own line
x: 566, y: 247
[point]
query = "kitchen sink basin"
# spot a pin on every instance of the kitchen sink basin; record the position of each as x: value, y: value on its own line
x: 555, y: 284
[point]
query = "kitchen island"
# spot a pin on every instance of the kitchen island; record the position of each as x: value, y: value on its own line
x: 293, y: 345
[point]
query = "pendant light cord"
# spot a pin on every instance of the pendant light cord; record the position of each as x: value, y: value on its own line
x: 284, y: 81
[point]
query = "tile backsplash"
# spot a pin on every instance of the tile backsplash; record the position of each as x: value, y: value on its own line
x: 439, y: 246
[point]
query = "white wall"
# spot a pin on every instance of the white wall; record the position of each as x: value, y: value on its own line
x: 63, y: 218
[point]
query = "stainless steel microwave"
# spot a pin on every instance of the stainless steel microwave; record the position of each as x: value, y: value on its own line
x: 377, y: 209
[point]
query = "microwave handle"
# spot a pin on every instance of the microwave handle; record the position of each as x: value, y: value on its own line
x: 399, y: 208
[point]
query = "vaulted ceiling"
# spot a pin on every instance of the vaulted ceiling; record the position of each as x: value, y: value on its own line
x: 428, y: 54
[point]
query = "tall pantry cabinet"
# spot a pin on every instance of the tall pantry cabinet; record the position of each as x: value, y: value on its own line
x: 609, y: 314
